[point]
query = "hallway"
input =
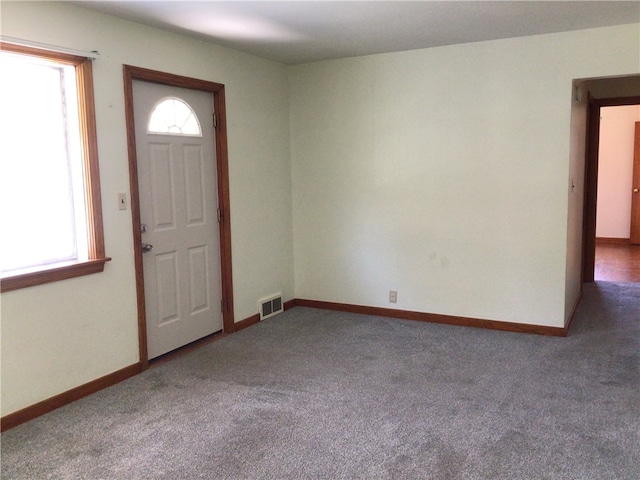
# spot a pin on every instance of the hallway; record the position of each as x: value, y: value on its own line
x: 616, y: 262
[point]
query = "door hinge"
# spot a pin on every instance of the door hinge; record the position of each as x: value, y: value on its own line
x: 215, y: 121
x: 219, y: 216
x: 222, y: 306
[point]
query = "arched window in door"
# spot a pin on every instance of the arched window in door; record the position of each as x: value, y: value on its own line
x: 173, y: 116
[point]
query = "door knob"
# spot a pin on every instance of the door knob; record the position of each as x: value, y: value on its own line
x: 636, y: 190
x: 146, y: 247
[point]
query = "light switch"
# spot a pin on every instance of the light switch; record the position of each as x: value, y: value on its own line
x: 122, y: 201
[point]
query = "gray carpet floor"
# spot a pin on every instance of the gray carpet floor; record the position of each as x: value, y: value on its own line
x: 314, y: 394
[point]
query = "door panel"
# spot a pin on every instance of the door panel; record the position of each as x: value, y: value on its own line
x: 162, y: 201
x: 194, y: 183
x: 178, y: 203
x: 166, y: 274
x: 198, y: 279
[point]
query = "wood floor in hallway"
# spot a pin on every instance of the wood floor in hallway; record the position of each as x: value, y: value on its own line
x: 617, y: 262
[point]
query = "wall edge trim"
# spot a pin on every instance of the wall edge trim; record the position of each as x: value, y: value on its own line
x: 246, y: 323
x: 45, y: 406
x: 613, y: 240
x: 437, y: 318
x: 253, y: 319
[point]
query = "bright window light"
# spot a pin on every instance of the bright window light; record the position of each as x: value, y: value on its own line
x: 42, y: 196
x: 172, y: 116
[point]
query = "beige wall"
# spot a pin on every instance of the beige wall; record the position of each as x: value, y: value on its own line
x: 615, y: 170
x: 445, y: 174
x: 58, y: 336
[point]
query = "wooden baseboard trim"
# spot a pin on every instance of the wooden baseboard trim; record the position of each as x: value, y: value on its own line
x: 247, y: 322
x: 253, y: 319
x: 29, y: 413
x: 436, y: 318
x: 619, y: 241
x: 46, y: 406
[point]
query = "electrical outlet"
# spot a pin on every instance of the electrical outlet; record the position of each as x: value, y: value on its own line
x: 393, y: 296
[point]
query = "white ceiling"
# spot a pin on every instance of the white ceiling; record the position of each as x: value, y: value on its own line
x: 294, y: 32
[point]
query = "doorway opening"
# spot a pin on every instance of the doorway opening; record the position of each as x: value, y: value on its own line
x: 617, y: 258
x: 617, y: 250
x: 136, y: 74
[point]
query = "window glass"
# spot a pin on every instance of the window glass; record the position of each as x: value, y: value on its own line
x: 172, y: 116
x: 46, y: 168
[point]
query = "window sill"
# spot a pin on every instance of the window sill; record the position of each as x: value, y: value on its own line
x: 53, y: 274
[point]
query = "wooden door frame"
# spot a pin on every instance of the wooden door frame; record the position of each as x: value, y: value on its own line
x: 591, y: 179
x: 222, y: 167
x: 634, y: 236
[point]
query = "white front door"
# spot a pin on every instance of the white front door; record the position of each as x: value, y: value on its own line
x: 178, y: 213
